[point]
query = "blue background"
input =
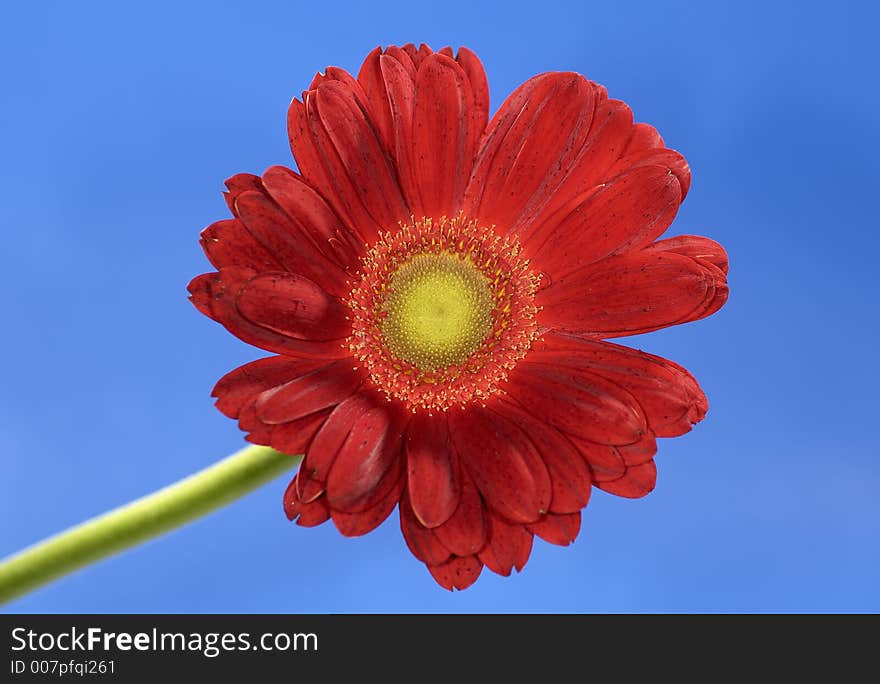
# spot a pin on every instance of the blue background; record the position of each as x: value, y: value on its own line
x: 120, y: 123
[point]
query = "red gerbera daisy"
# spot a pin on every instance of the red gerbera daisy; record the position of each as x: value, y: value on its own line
x: 437, y: 289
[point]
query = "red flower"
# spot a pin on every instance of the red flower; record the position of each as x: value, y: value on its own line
x: 437, y: 289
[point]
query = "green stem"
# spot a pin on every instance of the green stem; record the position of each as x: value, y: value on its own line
x: 142, y: 519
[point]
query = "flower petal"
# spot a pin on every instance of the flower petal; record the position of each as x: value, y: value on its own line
x: 306, y: 514
x: 243, y: 385
x: 294, y: 306
x: 557, y: 529
x: 636, y: 483
x: 458, y: 573
x: 339, y: 154
x: 630, y: 294
x: 579, y: 403
x: 369, y: 462
x: 669, y: 396
x: 569, y: 473
x: 239, y: 183
x: 444, y: 134
x: 316, y: 390
x: 508, y: 546
x: 433, y: 470
x: 465, y: 531
x: 357, y: 524
x: 624, y: 214
x: 229, y: 243
x: 421, y: 541
x: 702, y: 249
x: 529, y: 147
x: 503, y: 463
x: 217, y: 296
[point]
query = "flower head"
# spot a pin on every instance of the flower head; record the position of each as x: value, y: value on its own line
x: 438, y: 289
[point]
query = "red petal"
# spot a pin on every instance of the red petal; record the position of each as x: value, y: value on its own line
x: 458, y: 573
x: 579, y: 403
x: 293, y: 306
x: 640, y: 452
x: 306, y: 514
x: 445, y: 134
x: 622, y: 215
x: 373, y: 85
x: 637, y: 482
x: 215, y: 295
x: 694, y: 246
x: 319, y: 389
x: 667, y: 395
x: 239, y: 183
x: 357, y: 524
x: 557, y: 529
x: 508, y: 546
x: 465, y: 531
x: 529, y: 148
x: 294, y: 437
x: 609, y: 133
x: 476, y: 75
x: 355, y: 161
x: 503, y: 463
x: 629, y: 294
x: 400, y: 88
x: 569, y: 473
x: 288, y: 242
x: 228, y: 243
x: 432, y: 467
x: 606, y: 462
x: 368, y: 464
x: 644, y: 137
x: 244, y: 384
x: 421, y: 541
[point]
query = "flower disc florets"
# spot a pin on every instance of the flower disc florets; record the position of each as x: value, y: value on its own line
x: 442, y: 311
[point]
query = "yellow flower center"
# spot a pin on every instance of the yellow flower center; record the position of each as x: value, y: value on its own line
x: 438, y: 310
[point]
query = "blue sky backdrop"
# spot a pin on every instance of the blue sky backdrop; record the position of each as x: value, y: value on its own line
x: 121, y: 120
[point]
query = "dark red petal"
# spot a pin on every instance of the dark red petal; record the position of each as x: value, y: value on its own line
x: 644, y: 137
x: 667, y: 395
x: 579, y: 403
x: 432, y: 469
x: 239, y: 183
x: 472, y: 66
x: 670, y: 159
x: 368, y: 464
x: 465, y: 531
x: 295, y: 436
x: 530, y: 146
x: 569, y: 473
x: 694, y: 246
x: 357, y: 524
x: 605, y: 461
x: 356, y: 161
x: 421, y: 541
x: 557, y: 529
x: 293, y: 306
x: 640, y: 452
x: 400, y: 90
x: 228, y: 243
x: 629, y: 294
x: 503, y: 463
x: 319, y: 389
x: 609, y: 133
x: 373, y: 85
x: 327, y: 442
x: 216, y: 294
x: 444, y: 134
x: 508, y: 546
x: 458, y: 573
x: 306, y: 514
x: 637, y: 482
x: 624, y: 214
x: 242, y: 386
